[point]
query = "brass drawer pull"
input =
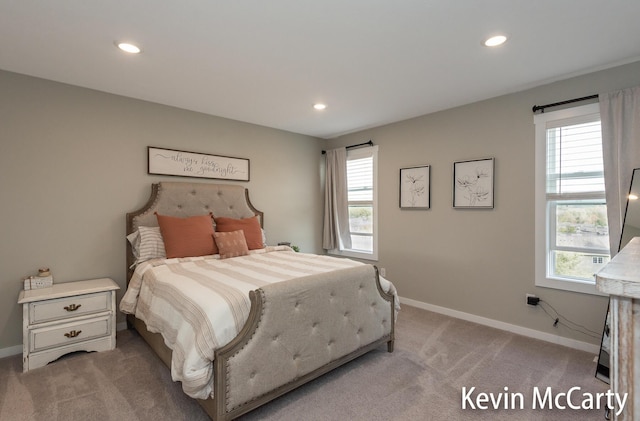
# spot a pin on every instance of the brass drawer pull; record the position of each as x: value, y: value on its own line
x: 73, y: 333
x: 73, y: 307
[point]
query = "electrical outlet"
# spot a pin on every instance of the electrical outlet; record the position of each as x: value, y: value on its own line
x: 383, y: 272
x: 531, y: 299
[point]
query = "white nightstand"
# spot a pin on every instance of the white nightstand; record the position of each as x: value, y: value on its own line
x: 67, y: 317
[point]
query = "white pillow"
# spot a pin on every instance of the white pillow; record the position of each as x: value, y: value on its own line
x: 146, y: 244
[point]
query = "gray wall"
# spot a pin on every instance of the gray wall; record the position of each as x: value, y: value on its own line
x: 478, y: 261
x: 73, y: 162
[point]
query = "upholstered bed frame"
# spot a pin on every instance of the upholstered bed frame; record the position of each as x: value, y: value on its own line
x: 251, y: 370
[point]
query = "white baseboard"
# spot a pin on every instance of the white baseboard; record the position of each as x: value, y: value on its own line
x: 15, y: 350
x: 532, y: 333
x: 536, y: 334
x: 12, y: 350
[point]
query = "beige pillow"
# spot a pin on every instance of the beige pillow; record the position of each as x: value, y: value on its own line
x: 146, y: 244
x: 231, y: 244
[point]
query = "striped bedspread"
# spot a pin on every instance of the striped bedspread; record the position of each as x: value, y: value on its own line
x: 200, y: 304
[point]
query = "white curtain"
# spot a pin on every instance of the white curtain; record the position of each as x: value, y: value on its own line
x: 620, y: 116
x: 336, y: 206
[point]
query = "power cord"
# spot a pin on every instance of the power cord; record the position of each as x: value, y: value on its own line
x: 559, y: 319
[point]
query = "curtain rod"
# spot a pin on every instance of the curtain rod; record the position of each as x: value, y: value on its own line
x: 369, y: 143
x: 569, y: 101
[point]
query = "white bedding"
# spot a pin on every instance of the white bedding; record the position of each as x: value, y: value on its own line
x: 200, y: 304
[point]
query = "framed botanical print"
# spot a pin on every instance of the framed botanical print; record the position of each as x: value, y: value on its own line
x: 415, y: 187
x: 473, y: 184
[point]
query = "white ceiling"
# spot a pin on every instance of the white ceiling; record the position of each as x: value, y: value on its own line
x: 266, y: 62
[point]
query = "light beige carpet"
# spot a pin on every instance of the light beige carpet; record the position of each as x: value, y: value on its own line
x: 435, y: 357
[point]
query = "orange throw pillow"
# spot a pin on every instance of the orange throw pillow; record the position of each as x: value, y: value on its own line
x: 187, y: 237
x: 250, y: 227
x: 231, y: 244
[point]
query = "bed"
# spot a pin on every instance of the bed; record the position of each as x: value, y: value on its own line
x: 292, y: 316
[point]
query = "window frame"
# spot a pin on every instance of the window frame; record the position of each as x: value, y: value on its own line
x: 542, y: 122
x: 360, y: 153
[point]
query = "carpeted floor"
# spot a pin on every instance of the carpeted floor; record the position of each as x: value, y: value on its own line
x: 435, y: 358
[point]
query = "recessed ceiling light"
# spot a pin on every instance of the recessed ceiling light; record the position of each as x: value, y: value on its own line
x: 129, y: 48
x: 319, y: 106
x: 495, y: 41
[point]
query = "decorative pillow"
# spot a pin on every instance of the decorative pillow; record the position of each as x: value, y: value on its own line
x: 250, y: 227
x: 134, y: 239
x: 151, y: 243
x: 231, y: 244
x: 146, y: 244
x: 186, y: 237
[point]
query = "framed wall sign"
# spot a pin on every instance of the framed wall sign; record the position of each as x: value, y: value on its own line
x: 191, y: 164
x: 415, y: 187
x: 473, y: 183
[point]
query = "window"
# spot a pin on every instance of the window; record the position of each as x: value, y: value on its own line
x: 362, y: 176
x: 572, y: 237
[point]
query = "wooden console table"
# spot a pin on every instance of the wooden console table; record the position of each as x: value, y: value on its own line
x: 620, y: 278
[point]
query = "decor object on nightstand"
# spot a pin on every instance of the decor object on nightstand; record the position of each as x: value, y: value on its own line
x: 43, y: 280
x: 67, y: 317
x: 288, y: 244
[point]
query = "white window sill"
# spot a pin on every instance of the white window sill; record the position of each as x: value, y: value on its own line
x: 570, y: 285
x: 354, y: 254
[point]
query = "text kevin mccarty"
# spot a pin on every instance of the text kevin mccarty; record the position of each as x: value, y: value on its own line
x: 543, y: 398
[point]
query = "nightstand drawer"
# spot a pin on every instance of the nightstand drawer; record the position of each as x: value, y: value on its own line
x: 69, y: 333
x: 64, y: 308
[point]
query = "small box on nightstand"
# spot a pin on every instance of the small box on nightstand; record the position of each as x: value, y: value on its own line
x: 36, y: 282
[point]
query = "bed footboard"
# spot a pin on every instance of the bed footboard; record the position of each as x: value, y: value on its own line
x: 299, y: 330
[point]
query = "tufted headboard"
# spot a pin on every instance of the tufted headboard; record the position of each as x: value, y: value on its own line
x: 185, y: 199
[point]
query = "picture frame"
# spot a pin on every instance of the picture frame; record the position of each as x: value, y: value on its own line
x: 473, y: 184
x: 415, y: 187
x: 164, y: 161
